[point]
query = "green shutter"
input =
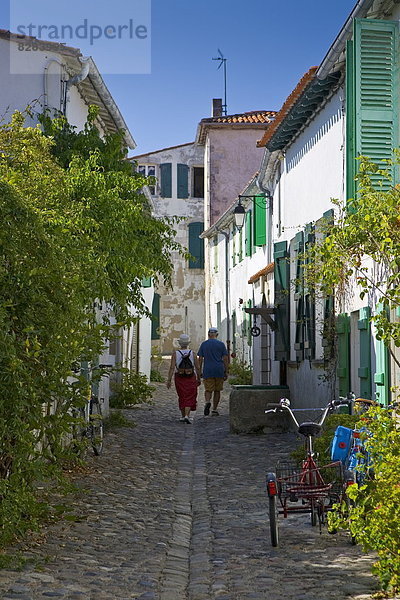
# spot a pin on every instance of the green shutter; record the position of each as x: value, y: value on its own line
x: 234, y: 327
x: 196, y: 246
x: 282, y: 298
x: 309, y: 302
x: 146, y: 282
x: 166, y: 180
x: 375, y: 91
x: 350, y: 120
x: 298, y: 296
x: 183, y: 181
x: 249, y: 236
x: 343, y: 344
x: 260, y: 221
x: 382, y: 372
x: 364, y: 370
x: 328, y: 328
x: 155, y: 323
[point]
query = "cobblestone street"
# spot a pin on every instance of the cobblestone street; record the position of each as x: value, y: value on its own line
x: 178, y: 512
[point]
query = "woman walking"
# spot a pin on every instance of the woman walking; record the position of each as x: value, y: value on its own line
x: 185, y: 368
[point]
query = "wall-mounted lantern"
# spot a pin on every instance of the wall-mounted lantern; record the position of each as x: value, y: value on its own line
x: 239, y: 214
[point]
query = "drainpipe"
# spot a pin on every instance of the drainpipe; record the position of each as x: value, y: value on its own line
x: 85, y: 60
x: 359, y: 11
x: 228, y: 324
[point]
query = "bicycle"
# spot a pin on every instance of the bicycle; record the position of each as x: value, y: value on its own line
x: 315, y: 487
x: 89, y: 424
x: 89, y: 417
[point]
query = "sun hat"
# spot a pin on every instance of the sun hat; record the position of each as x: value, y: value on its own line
x: 184, y: 339
x: 213, y: 330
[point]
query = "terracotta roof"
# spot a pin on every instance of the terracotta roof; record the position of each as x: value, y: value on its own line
x: 287, y: 105
x: 254, y: 116
x: 265, y: 271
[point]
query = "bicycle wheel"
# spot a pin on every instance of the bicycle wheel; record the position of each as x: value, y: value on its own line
x: 273, y: 521
x: 96, y: 427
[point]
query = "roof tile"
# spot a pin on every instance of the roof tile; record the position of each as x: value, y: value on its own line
x: 287, y: 105
x: 265, y: 271
x: 254, y: 116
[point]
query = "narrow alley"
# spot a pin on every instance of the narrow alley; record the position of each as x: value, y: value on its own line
x: 178, y: 512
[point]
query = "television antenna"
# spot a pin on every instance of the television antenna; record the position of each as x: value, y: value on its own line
x: 222, y: 62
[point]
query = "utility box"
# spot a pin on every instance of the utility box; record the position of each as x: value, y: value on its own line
x: 247, y: 406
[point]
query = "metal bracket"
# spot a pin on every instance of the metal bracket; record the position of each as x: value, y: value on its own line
x: 265, y: 313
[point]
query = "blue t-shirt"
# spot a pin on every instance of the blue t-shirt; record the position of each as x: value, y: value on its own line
x: 213, y: 351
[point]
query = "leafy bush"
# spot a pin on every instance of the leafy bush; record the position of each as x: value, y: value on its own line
x: 323, y: 442
x: 132, y: 390
x: 69, y: 202
x: 241, y: 371
x: 374, y: 518
x: 156, y: 376
x: 117, y: 419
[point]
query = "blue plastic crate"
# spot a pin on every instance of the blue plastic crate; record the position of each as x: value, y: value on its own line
x: 341, y: 444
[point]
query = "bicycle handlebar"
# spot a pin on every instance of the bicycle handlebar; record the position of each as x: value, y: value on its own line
x: 284, y: 404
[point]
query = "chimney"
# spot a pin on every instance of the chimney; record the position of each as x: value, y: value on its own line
x: 217, y: 107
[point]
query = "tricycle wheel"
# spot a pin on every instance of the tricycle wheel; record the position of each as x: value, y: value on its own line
x: 313, y: 512
x: 273, y: 521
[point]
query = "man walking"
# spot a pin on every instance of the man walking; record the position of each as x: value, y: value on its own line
x: 214, y: 355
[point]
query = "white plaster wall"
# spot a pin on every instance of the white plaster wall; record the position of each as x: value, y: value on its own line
x: 145, y: 335
x: 240, y: 291
x: 19, y: 91
x: 312, y: 174
x: 313, y: 170
x: 182, y: 307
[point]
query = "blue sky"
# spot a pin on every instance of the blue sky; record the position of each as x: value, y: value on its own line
x: 269, y: 46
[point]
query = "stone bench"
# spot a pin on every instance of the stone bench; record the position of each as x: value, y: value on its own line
x: 247, y: 404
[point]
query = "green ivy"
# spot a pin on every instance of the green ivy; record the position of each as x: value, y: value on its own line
x: 133, y: 389
x: 365, y: 228
x: 373, y: 517
x: 76, y: 231
x: 241, y: 373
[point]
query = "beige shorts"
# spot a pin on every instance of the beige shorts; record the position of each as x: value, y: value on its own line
x: 214, y: 384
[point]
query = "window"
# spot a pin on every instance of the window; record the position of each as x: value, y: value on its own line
x: 196, y: 245
x: 198, y: 182
x: 148, y: 171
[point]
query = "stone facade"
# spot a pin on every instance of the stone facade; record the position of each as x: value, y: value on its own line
x: 179, y: 192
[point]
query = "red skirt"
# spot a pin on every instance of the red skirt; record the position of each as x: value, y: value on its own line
x: 186, y: 388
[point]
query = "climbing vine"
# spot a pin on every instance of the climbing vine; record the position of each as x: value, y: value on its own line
x: 360, y: 253
x: 361, y: 250
x: 76, y: 231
